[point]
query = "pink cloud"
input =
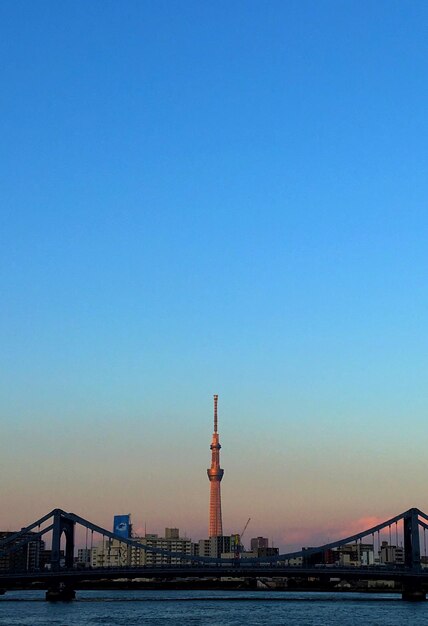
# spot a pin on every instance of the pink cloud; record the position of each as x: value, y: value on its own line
x: 357, y: 526
x: 297, y: 537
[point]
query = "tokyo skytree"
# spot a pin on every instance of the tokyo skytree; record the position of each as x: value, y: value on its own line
x: 215, y: 474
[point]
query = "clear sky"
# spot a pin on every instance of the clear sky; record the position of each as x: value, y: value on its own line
x: 214, y: 197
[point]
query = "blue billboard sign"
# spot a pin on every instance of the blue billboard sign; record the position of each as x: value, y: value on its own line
x: 122, y: 525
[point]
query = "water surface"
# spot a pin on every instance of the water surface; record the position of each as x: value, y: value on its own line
x: 211, y: 608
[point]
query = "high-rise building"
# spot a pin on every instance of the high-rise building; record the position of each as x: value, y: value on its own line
x: 215, y: 474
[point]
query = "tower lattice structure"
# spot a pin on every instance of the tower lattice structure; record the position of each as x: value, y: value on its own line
x: 215, y: 474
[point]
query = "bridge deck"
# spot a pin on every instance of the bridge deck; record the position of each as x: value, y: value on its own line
x: 398, y: 574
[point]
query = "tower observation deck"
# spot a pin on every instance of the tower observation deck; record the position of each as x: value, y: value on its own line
x: 215, y: 474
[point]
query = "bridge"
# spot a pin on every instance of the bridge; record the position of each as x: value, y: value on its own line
x: 62, y: 575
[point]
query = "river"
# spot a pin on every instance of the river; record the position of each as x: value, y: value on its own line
x: 213, y: 608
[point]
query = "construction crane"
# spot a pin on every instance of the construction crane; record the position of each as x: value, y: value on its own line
x: 245, y: 527
x: 238, y: 545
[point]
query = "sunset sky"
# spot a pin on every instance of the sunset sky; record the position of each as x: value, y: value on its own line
x: 222, y: 197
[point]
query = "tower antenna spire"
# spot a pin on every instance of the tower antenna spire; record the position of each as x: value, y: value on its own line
x: 215, y: 413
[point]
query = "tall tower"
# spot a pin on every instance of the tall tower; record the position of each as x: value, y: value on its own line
x: 215, y: 474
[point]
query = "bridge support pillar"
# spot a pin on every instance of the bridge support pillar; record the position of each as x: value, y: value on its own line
x: 412, y: 550
x: 413, y: 591
x: 60, y: 593
x: 412, y: 587
x: 62, y: 525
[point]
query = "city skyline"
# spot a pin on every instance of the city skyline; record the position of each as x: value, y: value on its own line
x: 222, y: 197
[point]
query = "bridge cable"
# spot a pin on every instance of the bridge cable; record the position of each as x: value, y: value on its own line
x: 425, y: 542
x: 396, y: 534
x: 86, y: 549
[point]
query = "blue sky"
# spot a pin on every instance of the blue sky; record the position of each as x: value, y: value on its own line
x: 219, y: 197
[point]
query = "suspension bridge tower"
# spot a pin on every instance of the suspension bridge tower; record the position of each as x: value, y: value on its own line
x: 215, y: 474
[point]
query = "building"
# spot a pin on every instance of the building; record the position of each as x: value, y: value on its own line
x: 266, y: 552
x: 229, y: 547
x: 216, y: 546
x: 171, y: 542
x: 348, y: 555
x: 115, y: 553
x: 26, y: 558
x: 83, y: 557
x: 215, y: 475
x: 352, y: 555
x: 110, y: 553
x: 259, y: 542
x: 172, y: 533
x: 391, y: 555
x: 260, y: 547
